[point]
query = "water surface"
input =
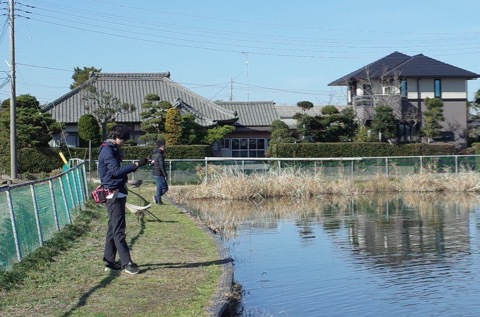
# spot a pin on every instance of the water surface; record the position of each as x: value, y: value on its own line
x: 415, y: 255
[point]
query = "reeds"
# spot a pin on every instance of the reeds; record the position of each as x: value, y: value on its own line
x: 238, y: 186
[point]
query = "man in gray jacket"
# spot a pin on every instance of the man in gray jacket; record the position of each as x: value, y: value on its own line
x: 159, y: 172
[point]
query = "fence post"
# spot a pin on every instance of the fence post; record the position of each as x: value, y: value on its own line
x: 69, y: 212
x: 456, y: 164
x: 421, y: 164
x: 14, y: 226
x: 386, y: 167
x: 170, y: 172
x: 54, y: 206
x: 75, y: 186
x: 206, y: 169
x: 86, y: 183
x: 37, y: 218
x: 351, y: 169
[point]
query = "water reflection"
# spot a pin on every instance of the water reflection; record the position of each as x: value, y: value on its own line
x: 412, y: 254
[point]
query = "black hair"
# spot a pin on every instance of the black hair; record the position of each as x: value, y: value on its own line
x: 119, y: 131
x: 160, y: 143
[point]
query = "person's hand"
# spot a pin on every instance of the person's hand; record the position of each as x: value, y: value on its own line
x: 142, y: 161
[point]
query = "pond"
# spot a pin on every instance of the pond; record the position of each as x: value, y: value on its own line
x: 411, y: 255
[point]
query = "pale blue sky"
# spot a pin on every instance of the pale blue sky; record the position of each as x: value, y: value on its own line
x: 284, y: 51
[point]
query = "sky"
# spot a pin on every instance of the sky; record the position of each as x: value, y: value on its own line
x: 262, y: 50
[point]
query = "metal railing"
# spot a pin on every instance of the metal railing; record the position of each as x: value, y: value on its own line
x: 182, y: 172
x: 31, y: 213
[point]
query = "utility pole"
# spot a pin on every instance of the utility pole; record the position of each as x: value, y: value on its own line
x: 13, y: 114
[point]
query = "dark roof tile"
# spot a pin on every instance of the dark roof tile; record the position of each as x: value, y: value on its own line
x: 399, y: 64
x: 132, y: 88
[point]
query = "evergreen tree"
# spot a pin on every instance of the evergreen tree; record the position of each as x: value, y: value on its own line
x: 82, y: 75
x: 384, y: 122
x: 153, y: 118
x: 334, y: 125
x: 192, y: 132
x: 34, y: 127
x: 305, y: 105
x: 173, y: 127
x: 279, y: 134
x: 217, y: 133
x: 89, y: 130
x: 433, y: 116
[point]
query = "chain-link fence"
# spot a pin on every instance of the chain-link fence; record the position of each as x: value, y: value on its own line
x: 31, y: 213
x: 183, y: 172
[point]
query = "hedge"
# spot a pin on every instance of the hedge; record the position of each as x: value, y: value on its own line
x: 136, y: 152
x: 359, y: 149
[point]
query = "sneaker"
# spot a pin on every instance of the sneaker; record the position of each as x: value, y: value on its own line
x: 112, y: 267
x: 131, y: 268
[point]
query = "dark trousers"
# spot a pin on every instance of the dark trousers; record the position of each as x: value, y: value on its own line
x: 162, y: 187
x: 116, y: 237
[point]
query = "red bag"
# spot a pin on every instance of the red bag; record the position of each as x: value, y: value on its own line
x: 100, y: 194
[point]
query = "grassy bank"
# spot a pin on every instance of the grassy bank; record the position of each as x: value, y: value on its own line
x: 232, y: 186
x: 180, y: 269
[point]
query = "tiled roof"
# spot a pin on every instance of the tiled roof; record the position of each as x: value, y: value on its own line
x: 132, y: 88
x: 252, y: 113
x: 399, y: 64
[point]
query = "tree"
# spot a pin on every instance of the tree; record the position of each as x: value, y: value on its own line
x: 334, y: 125
x: 34, y: 127
x: 304, y: 122
x: 217, y: 133
x: 89, y: 130
x: 305, y: 105
x: 433, y: 116
x: 192, y: 132
x: 105, y: 106
x: 384, y: 122
x: 82, y: 75
x: 173, y: 127
x: 329, y: 110
x: 153, y: 118
x: 279, y: 134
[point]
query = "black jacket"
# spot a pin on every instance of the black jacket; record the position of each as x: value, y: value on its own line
x: 159, y: 163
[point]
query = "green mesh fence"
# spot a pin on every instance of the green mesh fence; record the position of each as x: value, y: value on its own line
x: 187, y: 172
x: 32, y: 213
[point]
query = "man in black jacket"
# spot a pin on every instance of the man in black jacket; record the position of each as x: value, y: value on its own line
x: 159, y: 172
x: 113, y: 177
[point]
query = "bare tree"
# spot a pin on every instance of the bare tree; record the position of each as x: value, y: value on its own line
x: 104, y: 106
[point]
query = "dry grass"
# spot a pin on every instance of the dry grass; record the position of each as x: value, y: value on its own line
x: 232, y: 186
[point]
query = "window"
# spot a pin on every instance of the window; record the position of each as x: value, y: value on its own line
x: 390, y: 90
x: 248, y: 147
x: 367, y: 89
x: 225, y: 144
x: 437, y: 87
x: 403, y: 89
